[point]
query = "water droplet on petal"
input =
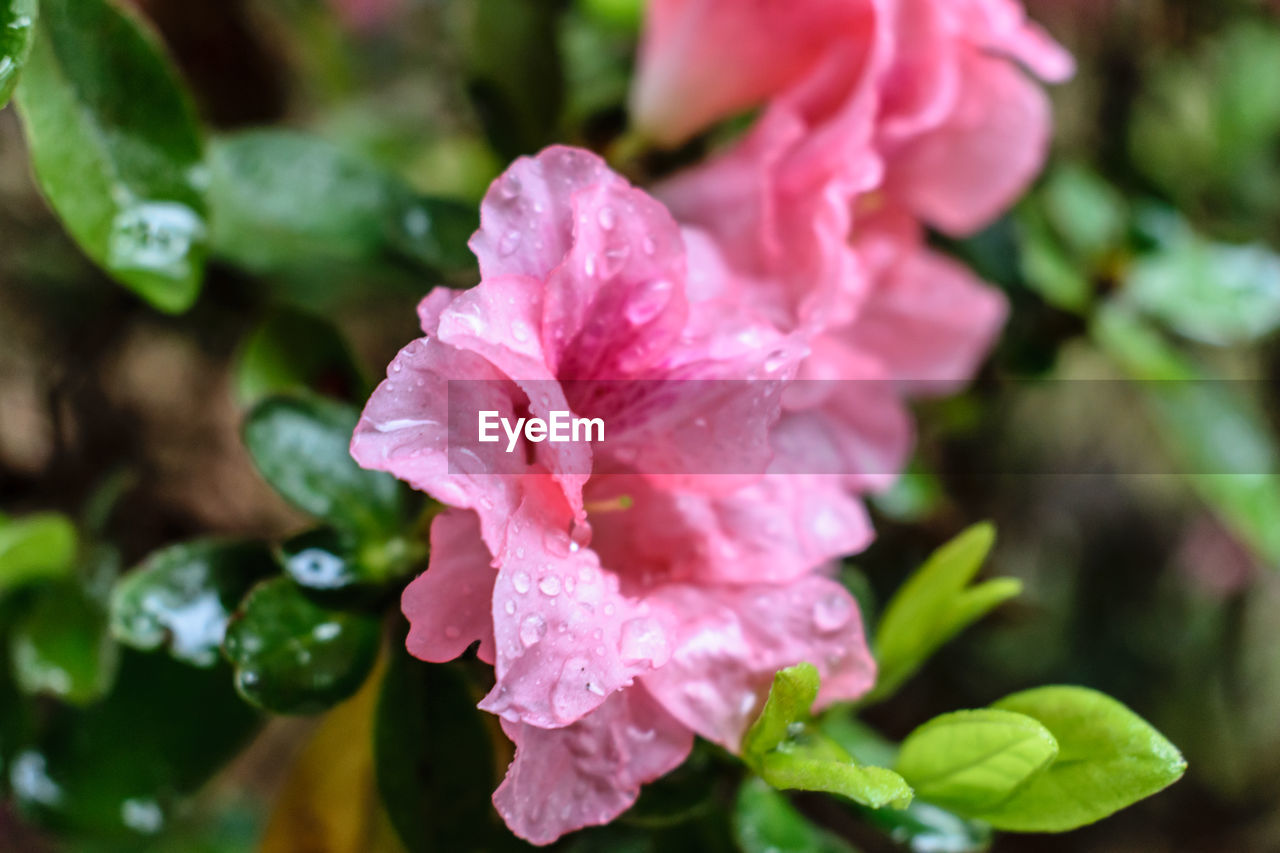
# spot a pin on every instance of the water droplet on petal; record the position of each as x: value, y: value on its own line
x: 510, y: 607
x: 775, y: 361
x: 532, y: 629
x: 550, y: 586
x: 557, y: 542
x: 649, y: 246
x: 521, y: 582
x: 509, y: 242
x: 607, y: 218
x: 520, y: 330
x: 832, y: 612
x: 648, y: 301
x: 643, y: 640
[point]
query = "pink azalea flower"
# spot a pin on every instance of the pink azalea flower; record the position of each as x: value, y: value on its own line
x: 626, y: 601
x: 959, y: 128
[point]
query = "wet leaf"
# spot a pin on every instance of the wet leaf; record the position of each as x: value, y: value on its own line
x: 765, y: 822
x: 790, y: 753
x: 121, y: 768
x: 925, y: 828
x: 34, y: 548
x: 182, y: 597
x: 17, y: 29
x: 293, y: 656
x: 116, y: 148
x: 434, y: 758
x: 300, y: 446
x: 971, y: 761
x: 60, y: 646
x: 935, y: 604
x: 284, y: 200
x: 1108, y: 758
x: 292, y: 351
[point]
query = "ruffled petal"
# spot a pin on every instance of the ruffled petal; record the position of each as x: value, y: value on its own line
x: 526, y: 218
x: 731, y: 641
x: 964, y: 173
x: 590, y: 772
x: 566, y: 637
x: 449, y: 605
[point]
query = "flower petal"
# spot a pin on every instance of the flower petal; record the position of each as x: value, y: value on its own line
x: 731, y: 641
x: 590, y: 772
x: 449, y: 605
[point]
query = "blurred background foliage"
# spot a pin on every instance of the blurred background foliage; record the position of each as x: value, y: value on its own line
x: 146, y: 456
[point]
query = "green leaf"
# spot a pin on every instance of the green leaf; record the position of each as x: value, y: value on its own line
x: 60, y: 647
x: 36, y: 547
x: 292, y: 351
x: 121, y: 768
x: 1089, y: 214
x: 17, y: 30
x: 793, y: 693
x: 433, y: 757
x: 300, y: 446
x: 1212, y: 292
x: 1220, y: 439
x: 925, y: 827
x: 116, y: 148
x: 1108, y: 758
x: 293, y: 656
x: 764, y: 822
x: 935, y: 604
x: 182, y: 597
x: 789, y: 753
x: 516, y: 80
x: 284, y: 200
x: 971, y: 761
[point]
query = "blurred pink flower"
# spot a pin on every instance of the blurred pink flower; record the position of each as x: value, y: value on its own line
x: 930, y: 87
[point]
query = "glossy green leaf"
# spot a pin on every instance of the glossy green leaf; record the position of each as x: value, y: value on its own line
x: 35, y: 547
x: 293, y: 656
x: 292, y: 351
x: 17, y: 30
x: 765, y: 822
x: 433, y: 757
x: 971, y: 761
x: 1108, y: 758
x: 182, y: 597
x: 284, y: 200
x: 116, y: 148
x: 300, y: 446
x: 120, y: 769
x: 790, y: 753
x: 923, y: 827
x: 60, y: 646
x: 935, y: 604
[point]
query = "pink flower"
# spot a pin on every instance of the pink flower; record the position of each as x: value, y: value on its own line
x: 958, y: 127
x: 625, y: 599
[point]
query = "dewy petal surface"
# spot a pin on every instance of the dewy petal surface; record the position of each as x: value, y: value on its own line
x: 590, y: 772
x: 731, y: 640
